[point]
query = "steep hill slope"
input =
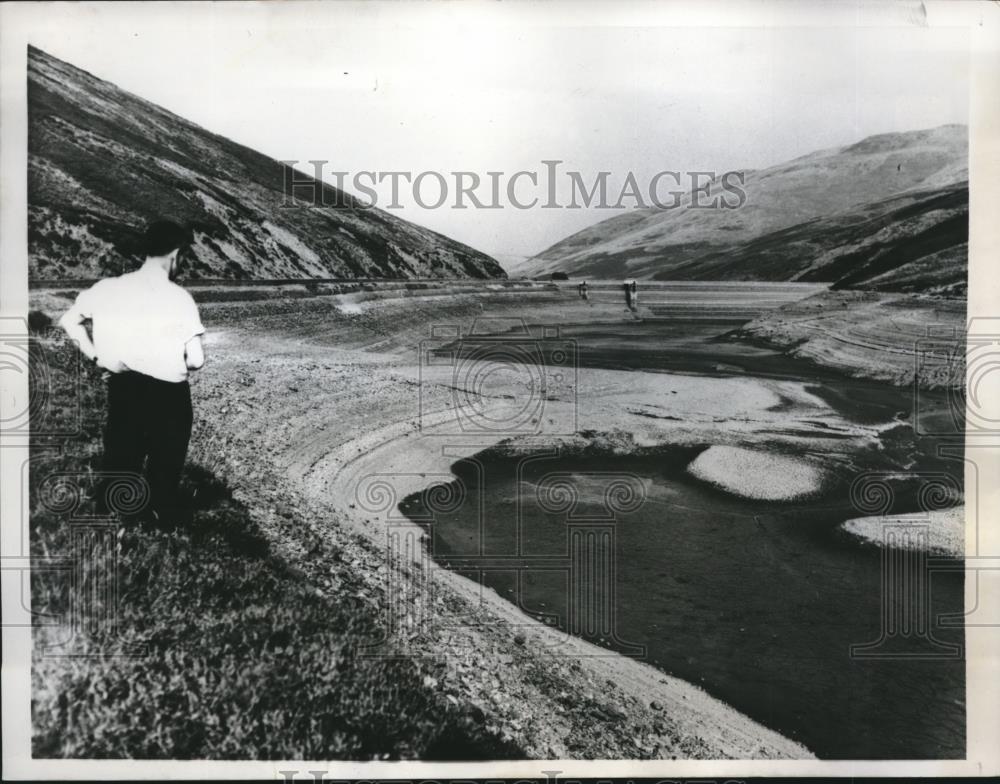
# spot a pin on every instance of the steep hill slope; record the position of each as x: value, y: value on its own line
x: 102, y: 162
x: 863, y: 185
x: 917, y: 242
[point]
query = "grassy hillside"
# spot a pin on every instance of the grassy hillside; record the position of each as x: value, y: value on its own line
x: 916, y: 242
x: 870, y: 197
x: 102, y: 162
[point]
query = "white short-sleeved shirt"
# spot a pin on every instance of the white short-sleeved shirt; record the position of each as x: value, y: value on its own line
x: 141, y: 322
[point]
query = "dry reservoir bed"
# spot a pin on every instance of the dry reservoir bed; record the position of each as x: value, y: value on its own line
x: 356, y: 403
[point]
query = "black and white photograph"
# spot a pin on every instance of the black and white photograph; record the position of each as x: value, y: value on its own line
x: 546, y: 389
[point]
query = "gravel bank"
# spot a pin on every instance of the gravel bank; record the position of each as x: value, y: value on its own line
x: 939, y: 532
x: 752, y: 473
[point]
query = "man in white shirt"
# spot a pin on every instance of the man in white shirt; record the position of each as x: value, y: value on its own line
x: 146, y: 333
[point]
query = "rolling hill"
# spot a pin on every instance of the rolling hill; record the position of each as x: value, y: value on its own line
x: 888, y: 212
x: 103, y: 162
x: 917, y: 241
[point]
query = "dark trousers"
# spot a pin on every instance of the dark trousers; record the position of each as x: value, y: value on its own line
x: 149, y: 421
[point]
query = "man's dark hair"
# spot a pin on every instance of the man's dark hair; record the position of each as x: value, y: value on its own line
x: 163, y: 237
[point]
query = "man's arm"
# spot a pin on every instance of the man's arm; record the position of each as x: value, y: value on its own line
x: 72, y: 322
x: 194, y: 353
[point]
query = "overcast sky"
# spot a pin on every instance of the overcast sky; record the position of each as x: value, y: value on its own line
x: 500, y: 87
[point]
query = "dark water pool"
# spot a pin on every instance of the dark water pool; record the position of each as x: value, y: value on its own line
x: 758, y: 604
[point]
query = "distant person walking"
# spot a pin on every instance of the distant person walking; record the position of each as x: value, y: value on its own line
x: 631, y: 294
x: 582, y: 288
x: 146, y: 335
